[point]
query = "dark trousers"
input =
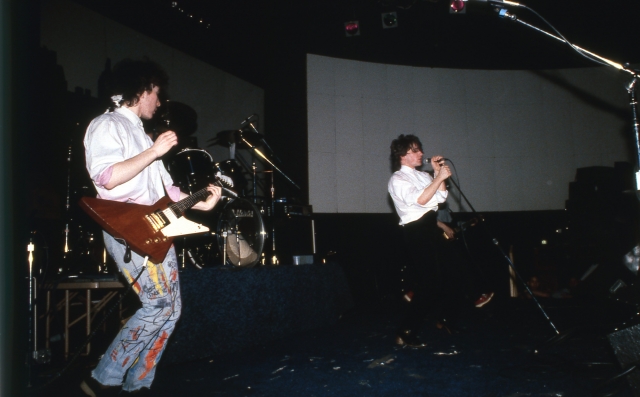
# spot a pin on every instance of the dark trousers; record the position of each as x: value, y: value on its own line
x: 423, y: 270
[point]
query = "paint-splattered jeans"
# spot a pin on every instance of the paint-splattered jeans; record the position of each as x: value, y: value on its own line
x: 131, y: 359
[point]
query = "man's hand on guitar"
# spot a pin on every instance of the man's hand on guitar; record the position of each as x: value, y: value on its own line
x: 212, y: 199
x: 448, y: 232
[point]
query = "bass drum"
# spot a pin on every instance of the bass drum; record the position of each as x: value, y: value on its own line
x: 241, y: 233
x: 191, y: 169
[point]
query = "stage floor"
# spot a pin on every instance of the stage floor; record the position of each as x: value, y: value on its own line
x: 493, y: 354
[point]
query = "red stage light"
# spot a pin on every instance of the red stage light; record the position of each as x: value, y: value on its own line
x: 352, y: 28
x: 457, y: 6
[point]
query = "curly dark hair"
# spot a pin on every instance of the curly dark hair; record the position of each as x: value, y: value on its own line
x: 400, y: 146
x: 131, y: 78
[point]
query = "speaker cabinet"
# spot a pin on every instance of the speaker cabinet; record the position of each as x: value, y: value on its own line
x: 294, y: 240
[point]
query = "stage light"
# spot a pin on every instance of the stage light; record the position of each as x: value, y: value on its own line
x: 352, y: 28
x: 389, y: 20
x: 457, y: 7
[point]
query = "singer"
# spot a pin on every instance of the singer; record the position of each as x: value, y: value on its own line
x: 416, y: 195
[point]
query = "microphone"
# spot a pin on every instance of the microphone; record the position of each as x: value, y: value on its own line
x: 428, y: 160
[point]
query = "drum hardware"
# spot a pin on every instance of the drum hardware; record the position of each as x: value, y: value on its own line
x: 224, y: 247
x: 237, y: 236
x: 35, y: 356
x: 187, y: 254
x: 195, y: 261
x: 236, y: 246
x: 256, y: 151
x: 250, y: 129
x: 66, y: 248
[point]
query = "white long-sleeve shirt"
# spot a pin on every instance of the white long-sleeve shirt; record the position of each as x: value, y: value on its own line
x: 118, y: 136
x: 405, y: 186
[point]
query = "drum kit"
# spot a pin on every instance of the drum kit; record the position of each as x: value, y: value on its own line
x: 237, y: 223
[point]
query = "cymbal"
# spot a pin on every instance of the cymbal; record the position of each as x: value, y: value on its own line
x: 174, y: 116
x: 224, y: 138
x: 227, y: 137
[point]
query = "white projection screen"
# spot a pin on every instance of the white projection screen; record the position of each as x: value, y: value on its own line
x: 515, y: 138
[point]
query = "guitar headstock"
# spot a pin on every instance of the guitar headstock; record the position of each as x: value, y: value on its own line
x: 225, y: 183
x: 225, y: 180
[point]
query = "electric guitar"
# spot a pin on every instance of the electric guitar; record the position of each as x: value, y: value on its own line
x: 148, y: 229
x: 461, y: 228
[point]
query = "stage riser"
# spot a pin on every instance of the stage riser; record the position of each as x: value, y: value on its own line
x: 227, y: 310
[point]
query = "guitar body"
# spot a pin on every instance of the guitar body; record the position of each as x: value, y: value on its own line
x: 457, y: 230
x: 130, y: 222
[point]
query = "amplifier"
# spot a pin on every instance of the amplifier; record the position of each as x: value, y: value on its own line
x: 285, y: 209
x: 294, y: 240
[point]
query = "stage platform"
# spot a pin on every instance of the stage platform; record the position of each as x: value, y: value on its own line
x: 229, y: 309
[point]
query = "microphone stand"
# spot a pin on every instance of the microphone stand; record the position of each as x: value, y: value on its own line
x: 506, y: 257
x: 262, y: 155
x: 631, y: 87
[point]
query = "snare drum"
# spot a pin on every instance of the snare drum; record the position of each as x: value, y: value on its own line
x: 191, y: 170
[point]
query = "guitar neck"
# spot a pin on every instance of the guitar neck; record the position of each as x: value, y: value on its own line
x: 181, y: 206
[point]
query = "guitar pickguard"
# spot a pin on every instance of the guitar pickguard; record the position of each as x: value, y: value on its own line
x: 180, y: 226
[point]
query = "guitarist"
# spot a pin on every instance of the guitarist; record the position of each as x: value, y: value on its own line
x: 124, y: 165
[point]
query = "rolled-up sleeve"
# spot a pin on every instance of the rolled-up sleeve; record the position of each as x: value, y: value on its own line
x: 408, y: 193
x: 103, y: 149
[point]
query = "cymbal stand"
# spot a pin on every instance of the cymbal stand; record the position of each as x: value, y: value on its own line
x: 511, y: 265
x: 225, y: 235
x: 35, y: 355
x: 66, y: 249
x: 262, y: 155
x: 272, y: 209
x: 32, y: 311
x: 274, y: 258
x: 255, y: 182
x: 249, y: 123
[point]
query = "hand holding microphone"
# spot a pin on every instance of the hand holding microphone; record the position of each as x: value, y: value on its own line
x: 427, y: 160
x: 440, y: 170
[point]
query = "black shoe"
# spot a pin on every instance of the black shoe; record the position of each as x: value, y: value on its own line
x: 484, y: 299
x: 93, y: 388
x: 408, y: 338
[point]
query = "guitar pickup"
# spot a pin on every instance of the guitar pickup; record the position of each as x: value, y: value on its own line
x: 157, y: 220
